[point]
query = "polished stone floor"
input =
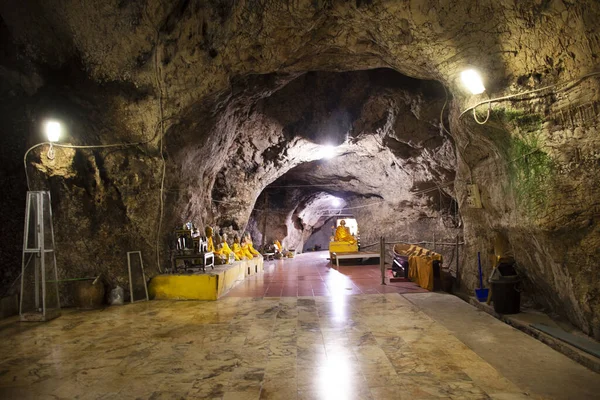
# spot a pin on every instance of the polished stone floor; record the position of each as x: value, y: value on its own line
x: 311, y: 274
x: 340, y: 346
x: 346, y: 347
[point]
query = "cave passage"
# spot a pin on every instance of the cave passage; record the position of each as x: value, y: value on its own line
x: 381, y: 150
x: 355, y: 199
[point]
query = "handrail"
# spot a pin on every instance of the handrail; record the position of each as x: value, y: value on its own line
x: 436, y: 243
x: 368, y: 245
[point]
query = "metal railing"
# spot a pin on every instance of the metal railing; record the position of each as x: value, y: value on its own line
x: 382, y: 253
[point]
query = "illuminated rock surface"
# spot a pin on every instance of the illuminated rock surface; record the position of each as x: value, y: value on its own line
x: 237, y: 93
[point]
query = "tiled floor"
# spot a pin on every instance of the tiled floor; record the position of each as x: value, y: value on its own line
x: 338, y: 347
x: 311, y: 274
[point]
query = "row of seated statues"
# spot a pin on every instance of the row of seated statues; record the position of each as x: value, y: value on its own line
x: 190, y: 241
x: 224, y: 253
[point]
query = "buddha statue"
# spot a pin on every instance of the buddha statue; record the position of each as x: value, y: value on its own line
x: 246, y: 248
x: 220, y: 256
x: 209, y: 239
x: 237, y: 248
x: 226, y: 249
x: 342, y: 234
x: 251, y: 245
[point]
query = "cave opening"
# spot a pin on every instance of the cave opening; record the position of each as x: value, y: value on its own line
x: 375, y: 123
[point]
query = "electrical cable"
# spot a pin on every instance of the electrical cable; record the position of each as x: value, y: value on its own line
x: 71, y: 146
x: 512, y: 96
x: 486, y: 118
x: 442, y: 112
x: 437, y: 187
x: 17, y: 278
x: 100, y: 146
x: 163, y: 172
x: 162, y: 156
x: 300, y: 186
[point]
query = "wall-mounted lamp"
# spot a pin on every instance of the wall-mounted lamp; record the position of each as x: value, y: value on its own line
x: 472, y: 81
x: 53, y: 130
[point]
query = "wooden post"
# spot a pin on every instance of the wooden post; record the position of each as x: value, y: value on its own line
x: 457, y: 272
x: 382, y: 258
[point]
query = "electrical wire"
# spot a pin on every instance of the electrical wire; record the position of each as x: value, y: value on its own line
x: 71, y: 146
x: 487, y: 116
x: 163, y: 172
x: 442, y: 112
x: 160, y: 146
x: 428, y: 190
x: 301, y: 186
x: 512, y: 96
x: 7, y: 291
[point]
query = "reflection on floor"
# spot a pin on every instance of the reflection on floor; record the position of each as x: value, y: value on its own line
x: 366, y: 346
x: 311, y: 274
x: 337, y: 347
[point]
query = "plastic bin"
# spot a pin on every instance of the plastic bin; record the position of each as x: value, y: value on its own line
x: 506, y: 293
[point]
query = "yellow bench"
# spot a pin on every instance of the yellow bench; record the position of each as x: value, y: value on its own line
x: 341, y: 247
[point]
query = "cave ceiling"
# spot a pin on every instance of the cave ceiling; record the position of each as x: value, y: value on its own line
x: 375, y: 123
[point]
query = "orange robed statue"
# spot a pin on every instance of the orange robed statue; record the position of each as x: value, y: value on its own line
x: 342, y: 234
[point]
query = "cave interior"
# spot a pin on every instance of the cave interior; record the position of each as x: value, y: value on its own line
x: 273, y: 118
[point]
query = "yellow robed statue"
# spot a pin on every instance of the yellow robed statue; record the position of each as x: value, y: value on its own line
x: 220, y: 256
x: 237, y: 248
x: 343, y: 241
x: 342, y: 234
x: 209, y: 239
x: 251, y: 245
x: 226, y: 249
x: 246, y: 250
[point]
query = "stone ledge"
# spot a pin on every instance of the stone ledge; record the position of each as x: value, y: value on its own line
x: 210, y: 285
x: 579, y: 356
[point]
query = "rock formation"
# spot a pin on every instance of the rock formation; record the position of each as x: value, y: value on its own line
x: 216, y: 100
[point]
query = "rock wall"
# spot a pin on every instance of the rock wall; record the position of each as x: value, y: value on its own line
x: 538, y: 171
x: 196, y: 82
x: 320, y: 237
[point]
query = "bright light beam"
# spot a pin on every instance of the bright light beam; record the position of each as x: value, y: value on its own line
x: 472, y: 81
x: 327, y: 152
x: 53, y: 130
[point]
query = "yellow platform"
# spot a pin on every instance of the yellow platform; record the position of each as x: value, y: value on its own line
x: 203, y: 286
x: 341, y: 247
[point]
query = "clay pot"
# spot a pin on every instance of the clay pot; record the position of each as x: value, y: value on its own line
x: 88, y: 296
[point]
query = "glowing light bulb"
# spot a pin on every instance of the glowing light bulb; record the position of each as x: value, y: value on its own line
x: 472, y: 81
x: 336, y: 202
x: 53, y: 129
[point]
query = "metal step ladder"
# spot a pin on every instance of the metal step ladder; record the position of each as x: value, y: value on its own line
x: 39, y: 299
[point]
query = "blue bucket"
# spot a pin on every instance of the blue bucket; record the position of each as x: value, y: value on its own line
x: 482, y: 294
